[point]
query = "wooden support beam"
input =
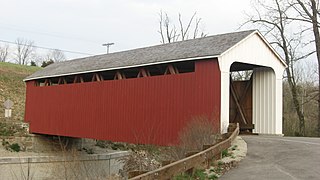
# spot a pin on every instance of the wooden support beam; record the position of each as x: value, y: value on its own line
x: 119, y: 75
x: 36, y: 83
x: 62, y: 80
x: 47, y: 82
x: 101, y: 77
x: 96, y: 77
x: 143, y: 73
x: 78, y: 79
x: 171, y: 70
x: 75, y: 79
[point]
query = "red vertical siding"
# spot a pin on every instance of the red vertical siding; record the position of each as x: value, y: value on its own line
x: 145, y: 110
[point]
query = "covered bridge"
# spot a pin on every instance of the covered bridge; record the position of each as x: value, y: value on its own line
x: 147, y: 95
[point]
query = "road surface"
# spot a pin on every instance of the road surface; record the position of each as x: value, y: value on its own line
x: 271, y: 157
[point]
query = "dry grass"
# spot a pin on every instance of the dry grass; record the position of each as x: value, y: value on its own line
x: 12, y: 87
x: 198, y: 132
x: 140, y: 160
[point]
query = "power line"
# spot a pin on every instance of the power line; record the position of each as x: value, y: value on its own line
x: 47, y: 34
x: 47, y: 48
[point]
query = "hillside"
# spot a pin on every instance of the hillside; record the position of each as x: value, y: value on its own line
x: 12, y: 87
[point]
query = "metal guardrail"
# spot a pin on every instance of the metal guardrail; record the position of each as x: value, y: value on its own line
x: 200, y: 159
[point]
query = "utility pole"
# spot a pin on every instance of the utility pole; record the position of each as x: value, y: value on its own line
x: 108, y: 45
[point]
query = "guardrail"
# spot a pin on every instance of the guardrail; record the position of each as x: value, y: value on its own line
x: 197, y: 160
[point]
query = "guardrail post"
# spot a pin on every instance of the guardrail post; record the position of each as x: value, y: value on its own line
x: 232, y: 127
x: 218, y: 156
x: 189, y: 171
x: 208, y: 160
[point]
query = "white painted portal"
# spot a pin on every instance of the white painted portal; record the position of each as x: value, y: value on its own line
x: 267, y: 83
x: 265, y: 104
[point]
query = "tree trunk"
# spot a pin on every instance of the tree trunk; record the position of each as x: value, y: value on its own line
x: 317, y: 42
x: 296, y: 103
x: 290, y: 75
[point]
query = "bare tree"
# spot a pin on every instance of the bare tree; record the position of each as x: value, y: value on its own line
x: 167, y: 31
x: 170, y: 33
x: 24, y: 50
x: 56, y: 56
x: 308, y: 11
x: 272, y: 19
x: 4, y: 50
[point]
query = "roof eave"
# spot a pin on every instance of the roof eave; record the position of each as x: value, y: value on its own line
x: 123, y: 67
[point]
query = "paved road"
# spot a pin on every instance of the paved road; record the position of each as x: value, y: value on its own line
x: 278, y: 158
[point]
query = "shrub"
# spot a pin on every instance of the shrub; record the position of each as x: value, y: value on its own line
x: 213, y: 176
x: 220, y: 163
x: 6, y: 130
x: 5, y: 143
x: 11, y: 147
x: 225, y: 153
x: 47, y: 63
x: 15, y: 147
x: 198, y: 132
x: 11, y: 129
x: 102, y: 144
x: 32, y: 63
x: 199, y: 174
x: 88, y: 150
x: 140, y: 160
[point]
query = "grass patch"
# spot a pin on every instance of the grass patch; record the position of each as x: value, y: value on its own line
x: 182, y: 177
x: 12, y: 87
x: 212, y: 177
x: 11, y: 129
x: 225, y: 153
x: 14, y: 147
x: 6, y: 130
x: 199, y: 174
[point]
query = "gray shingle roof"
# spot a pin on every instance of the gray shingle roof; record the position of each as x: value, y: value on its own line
x: 189, y: 49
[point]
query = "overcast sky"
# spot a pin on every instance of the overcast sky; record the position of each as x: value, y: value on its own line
x: 83, y: 25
